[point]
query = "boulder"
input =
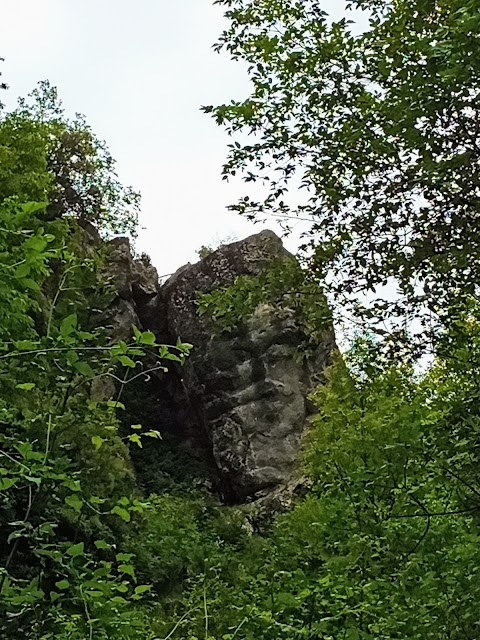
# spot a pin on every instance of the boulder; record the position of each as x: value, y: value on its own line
x: 249, y: 386
x: 241, y: 400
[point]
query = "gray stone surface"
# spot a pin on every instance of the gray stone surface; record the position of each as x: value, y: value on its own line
x: 250, y: 386
x: 243, y: 393
x: 217, y: 270
x: 137, y: 287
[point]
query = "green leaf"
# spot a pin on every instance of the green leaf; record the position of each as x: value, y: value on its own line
x: 123, y: 513
x: 97, y: 441
x: 184, y: 347
x: 72, y: 357
x: 22, y: 271
x: 37, y: 243
x: 172, y: 356
x: 26, y: 386
x: 136, y: 438
x: 124, y: 557
x: 31, y: 284
x: 26, y: 345
x: 34, y: 479
x: 119, y: 599
x: 148, y: 338
x: 68, y: 325
x: 76, y: 550
x: 137, y: 333
x: 85, y: 335
x: 74, y: 501
x: 128, y: 569
x: 125, y: 361
x: 114, y: 404
x: 153, y: 434
x: 73, y: 485
x: 6, y: 483
x: 102, y: 544
x: 122, y: 587
x: 84, y: 368
x: 62, y: 584
x: 103, y: 571
x: 30, y: 208
x: 119, y: 348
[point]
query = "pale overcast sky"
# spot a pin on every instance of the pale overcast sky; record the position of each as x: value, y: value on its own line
x: 139, y: 72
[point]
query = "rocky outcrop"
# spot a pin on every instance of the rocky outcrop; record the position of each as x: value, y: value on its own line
x: 136, y: 284
x: 243, y: 395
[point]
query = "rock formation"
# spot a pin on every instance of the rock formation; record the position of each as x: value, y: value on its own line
x: 241, y: 398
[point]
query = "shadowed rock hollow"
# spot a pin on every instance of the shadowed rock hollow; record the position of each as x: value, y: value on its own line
x: 241, y: 399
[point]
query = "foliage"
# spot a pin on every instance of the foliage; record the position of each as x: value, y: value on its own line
x: 45, y: 157
x: 206, y: 250
x: 65, y: 478
x: 283, y: 284
x: 379, y: 129
x: 385, y: 544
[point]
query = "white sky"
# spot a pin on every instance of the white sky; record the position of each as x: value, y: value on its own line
x: 139, y: 72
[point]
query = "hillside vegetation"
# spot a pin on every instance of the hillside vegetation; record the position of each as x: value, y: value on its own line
x: 383, y: 541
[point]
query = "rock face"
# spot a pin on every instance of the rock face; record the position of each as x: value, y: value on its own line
x: 136, y: 283
x: 243, y: 393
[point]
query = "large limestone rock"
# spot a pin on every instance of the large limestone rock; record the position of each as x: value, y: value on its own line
x: 248, y: 387
x: 241, y: 400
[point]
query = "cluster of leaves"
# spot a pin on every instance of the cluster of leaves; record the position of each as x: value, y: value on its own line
x: 380, y: 128
x: 81, y: 548
x: 65, y: 478
x: 67, y: 488
x: 206, y: 250
x: 386, y: 542
x: 45, y: 157
x: 283, y: 284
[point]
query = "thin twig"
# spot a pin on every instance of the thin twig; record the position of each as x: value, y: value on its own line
x: 205, y: 608
x: 178, y: 624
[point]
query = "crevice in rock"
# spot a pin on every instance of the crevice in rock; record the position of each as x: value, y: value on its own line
x: 182, y: 457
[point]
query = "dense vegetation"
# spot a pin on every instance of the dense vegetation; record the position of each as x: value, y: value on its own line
x: 382, y: 127
x: 370, y: 139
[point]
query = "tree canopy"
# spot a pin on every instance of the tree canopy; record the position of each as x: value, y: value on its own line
x: 47, y: 157
x: 378, y: 128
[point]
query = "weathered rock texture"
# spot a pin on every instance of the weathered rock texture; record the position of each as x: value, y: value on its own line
x: 241, y: 395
